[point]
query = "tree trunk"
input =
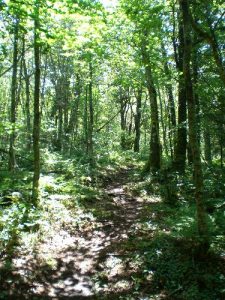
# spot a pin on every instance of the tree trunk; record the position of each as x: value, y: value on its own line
x: 12, y: 156
x: 91, y: 116
x: 72, y: 127
x: 207, y: 145
x: 180, y: 147
x: 195, y: 71
x: 85, y: 120
x: 122, y: 120
x: 171, y: 130
x: 37, y: 116
x: 137, y: 121
x: 221, y: 146
x: 193, y: 136
x: 165, y: 146
x: 169, y: 90
x: 154, y: 162
x: 27, y: 104
x: 60, y: 128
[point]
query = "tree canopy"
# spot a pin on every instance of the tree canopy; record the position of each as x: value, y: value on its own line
x: 107, y: 102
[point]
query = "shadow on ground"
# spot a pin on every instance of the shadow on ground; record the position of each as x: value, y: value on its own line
x: 124, y: 251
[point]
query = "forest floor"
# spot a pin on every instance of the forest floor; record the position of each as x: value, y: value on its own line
x: 97, y: 249
x: 83, y: 255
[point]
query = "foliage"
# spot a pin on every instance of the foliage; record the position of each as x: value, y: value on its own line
x: 111, y: 88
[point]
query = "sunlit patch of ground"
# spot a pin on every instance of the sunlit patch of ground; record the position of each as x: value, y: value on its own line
x: 77, y: 254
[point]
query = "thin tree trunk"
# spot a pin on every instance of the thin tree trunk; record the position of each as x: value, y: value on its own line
x: 12, y: 156
x: 169, y: 90
x: 163, y: 124
x: 171, y: 103
x: 91, y: 115
x: 27, y: 103
x: 154, y: 162
x: 131, y: 120
x: 66, y: 117
x: 195, y: 68
x: 73, y: 119
x: 180, y: 147
x: 221, y: 147
x: 207, y: 145
x: 37, y: 116
x: 171, y: 130
x: 122, y: 121
x: 60, y: 128
x: 86, y: 121
x: 137, y: 121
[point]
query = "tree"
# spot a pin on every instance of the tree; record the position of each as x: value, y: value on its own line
x: 137, y: 121
x: 193, y: 136
x: 12, y: 155
x: 180, y: 147
x: 144, y: 27
x: 155, y: 151
x: 209, y: 35
x: 37, y: 115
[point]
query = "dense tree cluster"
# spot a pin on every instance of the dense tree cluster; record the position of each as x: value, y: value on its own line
x: 77, y: 77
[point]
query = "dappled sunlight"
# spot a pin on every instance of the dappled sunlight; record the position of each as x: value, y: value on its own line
x: 112, y: 150
x: 107, y: 246
x: 76, y: 253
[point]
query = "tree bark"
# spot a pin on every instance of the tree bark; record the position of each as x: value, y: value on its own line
x: 72, y: 127
x: 85, y: 120
x: 180, y: 147
x: 123, y: 104
x: 193, y: 136
x: 154, y: 162
x: 137, y: 121
x: 207, y: 145
x: 12, y: 139
x: 169, y: 89
x: 165, y: 145
x: 37, y: 116
x: 91, y: 116
x: 27, y: 103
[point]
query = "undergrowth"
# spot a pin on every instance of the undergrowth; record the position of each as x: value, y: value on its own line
x: 70, y: 194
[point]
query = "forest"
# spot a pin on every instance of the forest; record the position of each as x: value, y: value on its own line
x: 112, y: 149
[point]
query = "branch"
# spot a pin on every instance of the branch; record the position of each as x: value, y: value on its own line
x: 7, y: 70
x: 112, y: 118
x: 218, y: 21
x: 210, y: 39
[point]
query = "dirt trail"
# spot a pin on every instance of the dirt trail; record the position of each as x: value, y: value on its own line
x: 85, y: 262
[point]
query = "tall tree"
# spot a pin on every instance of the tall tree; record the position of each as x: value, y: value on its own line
x: 37, y: 115
x: 155, y: 151
x: 180, y: 148
x: 145, y: 40
x: 171, y: 102
x: 12, y: 155
x: 193, y: 134
x: 137, y: 120
x: 28, y: 102
x: 91, y: 114
x: 208, y: 34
